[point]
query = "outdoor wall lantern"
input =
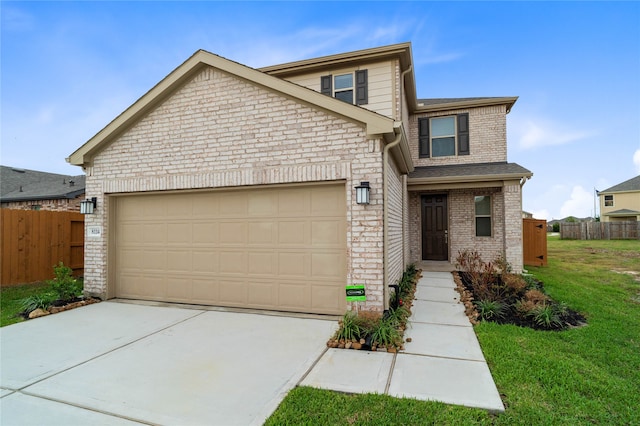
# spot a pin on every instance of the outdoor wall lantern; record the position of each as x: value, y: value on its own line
x: 362, y: 193
x: 87, y: 206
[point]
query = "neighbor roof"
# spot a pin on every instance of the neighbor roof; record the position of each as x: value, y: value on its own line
x: 26, y: 185
x: 375, y: 124
x: 632, y: 184
x: 623, y: 212
x: 469, y: 172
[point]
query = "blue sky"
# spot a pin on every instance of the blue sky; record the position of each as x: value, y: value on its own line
x: 69, y: 68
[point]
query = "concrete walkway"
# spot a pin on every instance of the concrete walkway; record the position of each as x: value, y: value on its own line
x: 443, y: 362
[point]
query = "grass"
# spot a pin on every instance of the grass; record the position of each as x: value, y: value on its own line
x: 583, y: 376
x: 11, y: 300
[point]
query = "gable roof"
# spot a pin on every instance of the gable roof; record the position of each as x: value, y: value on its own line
x: 632, y: 184
x: 26, y: 185
x: 623, y: 212
x: 374, y: 123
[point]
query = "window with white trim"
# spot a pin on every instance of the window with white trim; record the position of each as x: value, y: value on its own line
x: 483, y: 215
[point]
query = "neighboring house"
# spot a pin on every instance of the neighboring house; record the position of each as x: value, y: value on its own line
x: 23, y: 189
x: 232, y: 186
x: 621, y: 202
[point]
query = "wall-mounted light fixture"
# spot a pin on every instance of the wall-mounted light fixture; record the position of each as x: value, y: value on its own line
x: 362, y: 193
x: 87, y: 206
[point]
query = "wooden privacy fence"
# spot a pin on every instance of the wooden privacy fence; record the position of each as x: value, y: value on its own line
x: 600, y: 230
x: 534, y: 242
x: 34, y: 241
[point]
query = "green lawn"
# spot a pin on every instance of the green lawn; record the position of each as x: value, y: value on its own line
x: 588, y: 375
x: 10, y: 300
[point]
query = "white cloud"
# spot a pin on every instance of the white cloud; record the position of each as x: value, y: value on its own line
x: 540, y: 132
x: 541, y: 214
x: 580, y: 203
x: 636, y: 160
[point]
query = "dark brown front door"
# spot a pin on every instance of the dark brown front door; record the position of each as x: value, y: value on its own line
x: 435, y: 227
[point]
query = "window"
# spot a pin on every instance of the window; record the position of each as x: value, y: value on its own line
x: 36, y: 207
x: 608, y: 200
x: 351, y: 87
x: 483, y: 215
x: 444, y: 136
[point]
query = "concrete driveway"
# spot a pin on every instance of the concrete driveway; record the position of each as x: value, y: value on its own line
x: 120, y: 363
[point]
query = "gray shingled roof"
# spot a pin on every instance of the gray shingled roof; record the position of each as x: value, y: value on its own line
x: 437, y: 101
x: 24, y: 185
x: 477, y: 169
x: 632, y: 184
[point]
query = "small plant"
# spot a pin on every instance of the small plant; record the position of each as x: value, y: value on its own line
x: 349, y: 328
x: 386, y: 334
x: 64, y: 285
x: 37, y: 301
x: 490, y: 309
x: 547, y: 315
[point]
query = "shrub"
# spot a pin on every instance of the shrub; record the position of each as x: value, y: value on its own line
x: 64, y: 285
x: 556, y: 227
x: 490, y: 309
x: 515, y: 284
x: 37, y: 301
x: 536, y: 296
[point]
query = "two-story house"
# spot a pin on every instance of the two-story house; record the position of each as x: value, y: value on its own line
x: 621, y: 202
x: 275, y: 188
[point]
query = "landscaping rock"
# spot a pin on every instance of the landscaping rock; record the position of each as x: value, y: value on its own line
x: 38, y: 313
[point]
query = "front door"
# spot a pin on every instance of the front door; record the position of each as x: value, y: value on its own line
x: 435, y: 227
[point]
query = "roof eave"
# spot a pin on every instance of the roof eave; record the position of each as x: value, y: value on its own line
x: 469, y: 178
x: 509, y: 101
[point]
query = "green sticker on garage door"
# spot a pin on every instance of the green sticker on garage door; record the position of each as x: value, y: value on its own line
x: 355, y: 293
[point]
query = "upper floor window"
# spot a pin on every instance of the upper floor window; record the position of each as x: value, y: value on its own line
x: 608, y: 200
x: 444, y: 136
x: 351, y: 87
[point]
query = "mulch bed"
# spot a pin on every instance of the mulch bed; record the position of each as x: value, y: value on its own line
x: 570, y: 319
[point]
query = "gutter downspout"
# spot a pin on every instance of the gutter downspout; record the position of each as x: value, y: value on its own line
x: 385, y: 214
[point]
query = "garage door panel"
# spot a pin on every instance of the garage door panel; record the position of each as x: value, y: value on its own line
x: 205, y: 290
x: 262, y: 233
x: 233, y: 233
x: 233, y: 292
x: 293, y: 264
x: 281, y: 248
x: 205, y: 261
x: 179, y: 261
x: 179, y: 289
x: 153, y: 260
x: 154, y: 233
x: 205, y: 233
x: 326, y: 298
x: 294, y: 295
x: 262, y: 294
x: 262, y: 264
x: 293, y: 233
x: 233, y: 262
x: 179, y: 233
x: 233, y: 204
x: 325, y: 233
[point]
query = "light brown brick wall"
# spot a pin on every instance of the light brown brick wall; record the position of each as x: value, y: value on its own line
x: 487, y: 137
x: 220, y: 131
x: 506, y: 224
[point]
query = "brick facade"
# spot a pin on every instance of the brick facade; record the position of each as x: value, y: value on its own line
x: 207, y: 136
